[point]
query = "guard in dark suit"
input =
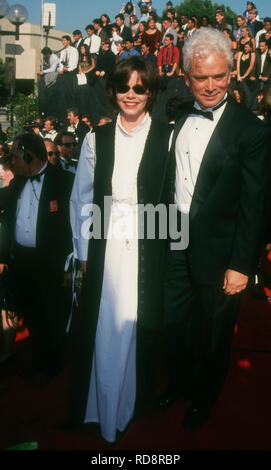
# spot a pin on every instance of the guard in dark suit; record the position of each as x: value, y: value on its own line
x: 35, y: 241
x: 219, y: 178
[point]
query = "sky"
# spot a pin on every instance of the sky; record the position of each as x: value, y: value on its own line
x: 76, y: 14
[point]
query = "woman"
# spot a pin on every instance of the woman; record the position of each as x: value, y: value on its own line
x: 241, y: 22
x: 152, y: 36
x: 134, y: 24
x: 126, y: 161
x: 128, y: 10
x: 245, y: 65
x: 106, y: 24
x: 86, y: 62
x: 227, y: 32
x: 84, y: 94
x: 138, y: 37
x: 246, y: 38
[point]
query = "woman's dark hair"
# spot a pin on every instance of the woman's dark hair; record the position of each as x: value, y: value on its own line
x: 128, y: 7
x: 121, y: 73
x: 33, y: 143
x: 107, y: 18
x: 87, y: 53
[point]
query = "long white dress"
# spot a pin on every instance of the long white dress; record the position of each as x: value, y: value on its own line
x: 112, y: 388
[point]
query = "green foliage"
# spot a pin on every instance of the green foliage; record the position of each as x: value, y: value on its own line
x: 203, y: 8
x: 25, y: 109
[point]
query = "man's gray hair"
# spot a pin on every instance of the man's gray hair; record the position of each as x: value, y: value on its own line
x: 204, y: 42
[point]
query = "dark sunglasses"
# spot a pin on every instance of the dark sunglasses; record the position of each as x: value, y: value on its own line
x: 69, y: 144
x: 50, y: 154
x: 138, y: 89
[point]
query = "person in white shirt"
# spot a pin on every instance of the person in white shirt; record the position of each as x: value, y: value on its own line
x: 52, y: 62
x: 221, y: 154
x: 167, y: 25
x: 49, y: 131
x: 92, y: 41
x: 68, y: 67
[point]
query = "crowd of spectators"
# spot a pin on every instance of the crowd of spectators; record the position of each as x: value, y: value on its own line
x: 77, y: 75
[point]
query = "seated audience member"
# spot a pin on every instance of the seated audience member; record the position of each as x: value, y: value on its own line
x: 229, y: 34
x: 106, y: 24
x: 245, y: 66
x: 139, y: 35
x: 125, y: 31
x: 238, y: 94
x: 167, y: 60
x: 92, y: 41
x: 262, y: 68
x: 128, y: 11
x: 66, y: 145
x: 168, y: 29
x: 120, y: 45
x: 51, y: 61
x: 152, y: 36
x: 86, y: 63
x: 52, y: 152
x: 134, y: 24
x: 99, y: 31
x: 246, y: 38
x: 49, y: 131
x: 221, y: 21
x: 77, y: 39
x: 147, y: 55
x: 35, y: 239
x: 240, y: 21
x: 191, y: 27
x: 129, y: 49
x: 106, y: 60
x: 267, y: 32
x: 253, y: 24
x: 115, y: 38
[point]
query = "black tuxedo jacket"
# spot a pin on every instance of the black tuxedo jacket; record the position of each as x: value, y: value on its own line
x: 79, y: 44
x: 53, y: 236
x: 228, y: 205
x: 266, y: 67
x: 126, y: 33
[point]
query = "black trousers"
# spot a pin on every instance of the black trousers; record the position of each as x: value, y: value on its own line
x: 199, y: 324
x: 41, y: 301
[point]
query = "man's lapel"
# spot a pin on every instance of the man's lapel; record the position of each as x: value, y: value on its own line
x: 215, y: 156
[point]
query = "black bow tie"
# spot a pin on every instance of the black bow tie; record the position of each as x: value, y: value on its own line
x: 38, y: 176
x: 207, y: 114
x: 70, y: 164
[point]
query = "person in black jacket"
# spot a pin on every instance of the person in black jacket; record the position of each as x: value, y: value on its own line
x: 35, y: 239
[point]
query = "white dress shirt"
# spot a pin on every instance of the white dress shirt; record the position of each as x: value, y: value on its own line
x: 94, y: 44
x: 174, y: 34
x: 190, y: 147
x: 263, y: 57
x: 70, y: 56
x: 54, y: 64
x: 67, y: 165
x: 27, y: 212
x: 50, y: 135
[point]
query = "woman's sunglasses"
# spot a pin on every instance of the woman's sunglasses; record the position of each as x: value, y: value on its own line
x: 138, y: 89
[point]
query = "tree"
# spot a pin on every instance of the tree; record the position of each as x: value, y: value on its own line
x: 203, y: 8
x: 2, y: 73
x: 25, y: 110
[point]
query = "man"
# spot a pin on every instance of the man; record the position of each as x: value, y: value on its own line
x: 191, y: 27
x: 125, y: 32
x: 76, y: 126
x: 146, y: 54
x: 167, y: 25
x: 262, y: 68
x: 106, y: 60
x: 221, y: 154
x: 35, y: 240
x: 88, y: 120
x: 52, y: 152
x: 49, y: 131
x: 266, y: 32
x: 51, y: 61
x: 68, y: 66
x: 129, y: 49
x: 253, y: 24
x: 99, y: 31
x: 93, y: 42
x: 78, y: 39
x: 167, y: 61
x: 250, y: 6
x: 184, y: 21
x: 66, y: 146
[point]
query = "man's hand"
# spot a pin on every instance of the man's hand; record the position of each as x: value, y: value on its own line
x: 234, y: 282
x: 264, y: 79
x: 83, y: 266
x: 2, y: 268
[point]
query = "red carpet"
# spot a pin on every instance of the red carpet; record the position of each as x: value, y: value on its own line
x: 31, y: 411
